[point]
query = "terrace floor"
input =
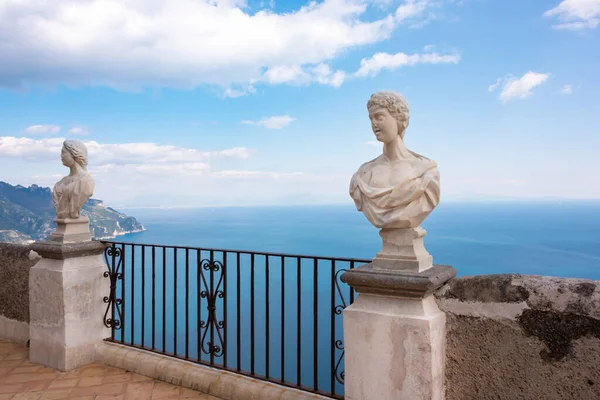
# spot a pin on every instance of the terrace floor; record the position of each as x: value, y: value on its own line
x: 23, y: 380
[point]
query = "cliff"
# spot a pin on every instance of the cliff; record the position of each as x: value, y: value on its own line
x: 27, y: 214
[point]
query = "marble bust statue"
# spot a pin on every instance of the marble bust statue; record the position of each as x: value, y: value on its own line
x: 72, y: 191
x: 399, y: 189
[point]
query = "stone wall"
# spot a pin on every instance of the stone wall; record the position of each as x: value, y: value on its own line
x: 15, y: 262
x: 522, y: 337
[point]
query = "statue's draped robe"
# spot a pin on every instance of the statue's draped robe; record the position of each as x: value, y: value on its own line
x: 407, y: 202
x: 71, y: 193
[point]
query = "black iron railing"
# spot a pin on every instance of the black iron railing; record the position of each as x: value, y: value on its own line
x: 275, y: 317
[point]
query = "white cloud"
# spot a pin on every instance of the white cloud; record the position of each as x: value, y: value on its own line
x: 495, y: 86
x: 117, y: 154
x: 42, y: 129
x: 576, y: 14
x: 411, y: 9
x: 567, y: 89
x: 79, y: 130
x: 372, y: 66
x: 129, y: 44
x: 428, y: 47
x: 324, y: 75
x: 298, y: 75
x: 514, y: 87
x: 275, y: 122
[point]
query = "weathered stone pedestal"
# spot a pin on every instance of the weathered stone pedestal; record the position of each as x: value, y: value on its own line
x: 394, y: 333
x: 71, y: 230
x: 66, y: 291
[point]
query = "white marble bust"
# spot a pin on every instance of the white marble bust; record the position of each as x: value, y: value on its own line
x: 397, y: 190
x: 72, y: 191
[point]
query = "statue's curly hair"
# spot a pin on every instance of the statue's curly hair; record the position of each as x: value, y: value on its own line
x: 395, y: 104
x: 77, y: 150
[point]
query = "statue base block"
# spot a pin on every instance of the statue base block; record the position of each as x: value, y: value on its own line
x: 403, y: 249
x: 66, y: 291
x: 70, y: 230
x: 394, y: 334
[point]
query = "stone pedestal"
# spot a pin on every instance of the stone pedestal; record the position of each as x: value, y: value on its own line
x: 394, y: 334
x: 403, y: 249
x: 66, y: 291
x: 69, y: 230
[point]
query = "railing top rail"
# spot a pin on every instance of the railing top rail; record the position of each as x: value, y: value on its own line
x: 261, y: 253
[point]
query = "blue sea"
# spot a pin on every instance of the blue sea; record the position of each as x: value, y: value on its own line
x: 277, y: 317
x: 545, y: 238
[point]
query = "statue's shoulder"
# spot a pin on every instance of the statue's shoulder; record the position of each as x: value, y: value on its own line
x: 369, y: 164
x: 428, y: 162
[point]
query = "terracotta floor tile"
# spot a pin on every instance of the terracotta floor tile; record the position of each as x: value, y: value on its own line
x: 5, y: 370
x: 27, y: 370
x: 85, y: 391
x: 6, y: 396
x: 90, y: 381
x: 63, y: 384
x: 116, y: 378
x: 17, y: 355
x: 56, y: 395
x: 27, y: 396
x: 140, y: 378
x: 21, y: 378
x: 113, y: 371
x: 93, y: 372
x: 137, y: 396
x: 110, y: 397
x: 5, y: 388
x: 162, y: 390
x: 82, y: 398
x: 112, y: 388
x: 140, y: 386
x: 67, y: 375
x: 11, y: 363
x: 36, y: 386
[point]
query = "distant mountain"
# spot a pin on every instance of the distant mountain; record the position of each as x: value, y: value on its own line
x: 27, y: 214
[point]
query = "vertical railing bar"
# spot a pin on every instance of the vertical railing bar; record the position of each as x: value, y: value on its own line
x: 299, y: 324
x: 267, y: 333
x: 238, y: 345
x: 133, y: 294
x: 123, y: 298
x: 187, y: 303
x: 164, y: 299
x: 225, y: 309
x: 332, y: 339
x: 175, y: 300
x: 113, y: 303
x: 282, y: 318
x: 252, y: 314
x: 143, y: 294
x: 199, y: 301
x: 351, y: 288
x: 153, y: 297
x: 315, y: 325
x: 214, y: 300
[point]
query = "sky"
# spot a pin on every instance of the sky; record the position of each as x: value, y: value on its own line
x: 230, y: 102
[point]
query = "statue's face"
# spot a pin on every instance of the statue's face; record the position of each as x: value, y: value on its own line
x: 384, y: 125
x: 66, y: 158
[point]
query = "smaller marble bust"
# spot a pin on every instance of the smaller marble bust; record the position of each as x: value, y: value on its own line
x: 72, y: 191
